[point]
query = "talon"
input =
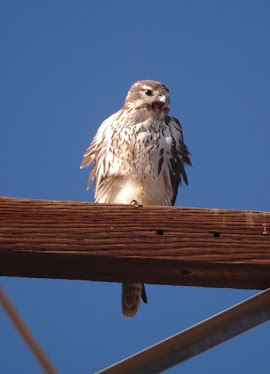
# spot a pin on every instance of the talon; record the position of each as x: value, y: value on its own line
x: 143, y: 295
x: 135, y: 202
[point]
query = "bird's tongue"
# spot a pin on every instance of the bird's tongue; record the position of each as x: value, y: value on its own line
x: 157, y: 108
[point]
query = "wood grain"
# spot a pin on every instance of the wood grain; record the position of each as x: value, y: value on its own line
x: 117, y: 243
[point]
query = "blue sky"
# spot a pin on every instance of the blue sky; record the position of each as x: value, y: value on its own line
x: 67, y: 65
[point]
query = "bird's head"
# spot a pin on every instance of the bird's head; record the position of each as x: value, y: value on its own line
x: 150, y: 95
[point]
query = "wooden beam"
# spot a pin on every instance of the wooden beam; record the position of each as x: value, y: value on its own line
x: 122, y: 243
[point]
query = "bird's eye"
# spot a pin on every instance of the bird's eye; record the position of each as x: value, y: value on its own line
x: 149, y: 92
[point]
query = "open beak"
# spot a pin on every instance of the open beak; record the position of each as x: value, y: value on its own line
x: 160, y: 105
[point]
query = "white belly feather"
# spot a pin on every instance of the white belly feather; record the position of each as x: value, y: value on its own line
x: 129, y: 188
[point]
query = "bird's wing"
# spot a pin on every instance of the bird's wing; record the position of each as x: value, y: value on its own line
x: 99, y: 153
x: 178, y: 155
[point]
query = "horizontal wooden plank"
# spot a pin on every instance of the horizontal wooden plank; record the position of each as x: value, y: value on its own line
x: 122, y: 243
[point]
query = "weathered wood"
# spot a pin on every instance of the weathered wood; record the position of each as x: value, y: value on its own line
x: 162, y: 245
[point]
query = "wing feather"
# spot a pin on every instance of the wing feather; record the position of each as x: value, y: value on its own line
x: 98, y: 152
x: 179, y: 156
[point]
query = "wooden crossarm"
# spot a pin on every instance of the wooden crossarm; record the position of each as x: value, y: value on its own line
x: 122, y: 243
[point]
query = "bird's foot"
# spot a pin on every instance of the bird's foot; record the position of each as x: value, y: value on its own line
x: 135, y: 202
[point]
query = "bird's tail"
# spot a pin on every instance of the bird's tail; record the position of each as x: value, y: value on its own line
x: 131, y: 295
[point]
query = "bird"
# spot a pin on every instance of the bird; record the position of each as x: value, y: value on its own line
x: 138, y: 156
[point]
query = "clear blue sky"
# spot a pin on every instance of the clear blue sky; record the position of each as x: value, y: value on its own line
x: 64, y: 67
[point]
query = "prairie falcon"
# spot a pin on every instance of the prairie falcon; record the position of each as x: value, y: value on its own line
x: 138, y: 155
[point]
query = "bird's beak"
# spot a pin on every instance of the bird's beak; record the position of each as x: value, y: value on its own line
x: 163, y: 99
x: 161, y: 105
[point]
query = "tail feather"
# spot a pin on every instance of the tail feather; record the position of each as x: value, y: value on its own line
x: 131, y: 295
